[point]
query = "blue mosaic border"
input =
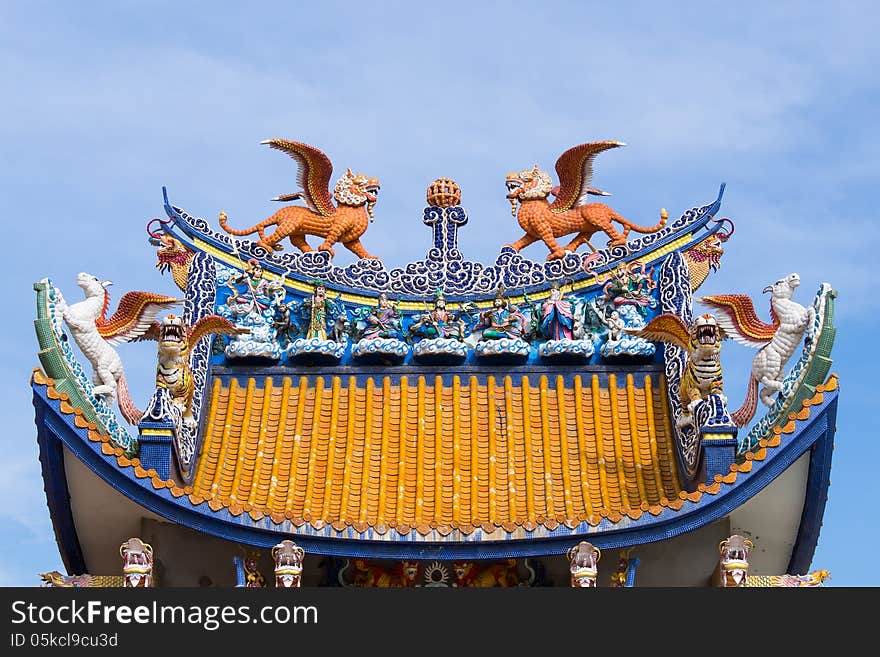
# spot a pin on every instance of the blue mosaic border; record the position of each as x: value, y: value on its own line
x: 443, y: 266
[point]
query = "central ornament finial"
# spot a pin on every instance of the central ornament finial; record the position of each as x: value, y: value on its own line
x: 444, y: 193
x: 444, y: 215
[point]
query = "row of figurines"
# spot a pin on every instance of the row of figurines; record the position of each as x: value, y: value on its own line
x: 565, y: 326
x: 732, y: 571
x: 137, y: 569
x: 359, y: 572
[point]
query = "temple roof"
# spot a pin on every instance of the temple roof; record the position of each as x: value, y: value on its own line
x: 446, y: 453
x: 470, y: 457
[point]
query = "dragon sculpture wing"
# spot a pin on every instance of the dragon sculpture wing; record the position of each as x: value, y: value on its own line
x: 575, y: 170
x: 313, y: 175
x: 736, y: 315
x: 212, y: 324
x: 665, y: 328
x: 134, y: 317
x: 154, y: 332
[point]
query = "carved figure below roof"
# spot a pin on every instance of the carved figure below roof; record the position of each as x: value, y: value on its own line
x: 137, y: 568
x: 733, y: 569
x: 288, y: 558
x: 366, y: 574
x: 584, y: 565
x: 55, y: 579
x: 470, y: 573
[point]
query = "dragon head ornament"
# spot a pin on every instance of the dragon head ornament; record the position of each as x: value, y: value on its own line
x: 528, y: 184
x: 356, y: 189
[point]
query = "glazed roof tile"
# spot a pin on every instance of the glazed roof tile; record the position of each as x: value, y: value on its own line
x: 425, y: 454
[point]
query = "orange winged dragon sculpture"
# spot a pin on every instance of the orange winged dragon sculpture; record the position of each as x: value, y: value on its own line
x: 569, y: 213
x: 355, y: 195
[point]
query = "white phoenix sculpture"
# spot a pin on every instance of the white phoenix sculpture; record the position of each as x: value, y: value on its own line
x: 776, y: 342
x: 96, y: 334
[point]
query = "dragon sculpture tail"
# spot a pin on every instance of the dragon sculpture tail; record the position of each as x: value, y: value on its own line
x: 247, y: 231
x: 126, y: 406
x: 628, y: 225
x: 747, y: 411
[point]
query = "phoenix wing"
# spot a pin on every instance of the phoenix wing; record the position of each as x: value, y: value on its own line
x: 313, y: 175
x: 575, y: 170
x: 212, y: 324
x: 134, y: 317
x: 668, y: 328
x: 736, y: 315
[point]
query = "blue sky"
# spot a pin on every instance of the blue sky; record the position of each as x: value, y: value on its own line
x: 103, y: 103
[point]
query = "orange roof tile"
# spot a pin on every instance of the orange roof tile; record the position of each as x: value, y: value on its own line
x: 427, y: 455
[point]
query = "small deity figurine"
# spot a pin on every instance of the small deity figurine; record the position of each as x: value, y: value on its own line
x: 621, y: 322
x: 615, y: 324
x: 383, y: 321
x: 502, y: 321
x: 282, y: 318
x: 439, y: 322
x: 256, y: 297
x: 630, y: 285
x: 323, y: 326
x: 320, y: 311
x: 252, y: 311
x: 557, y: 319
